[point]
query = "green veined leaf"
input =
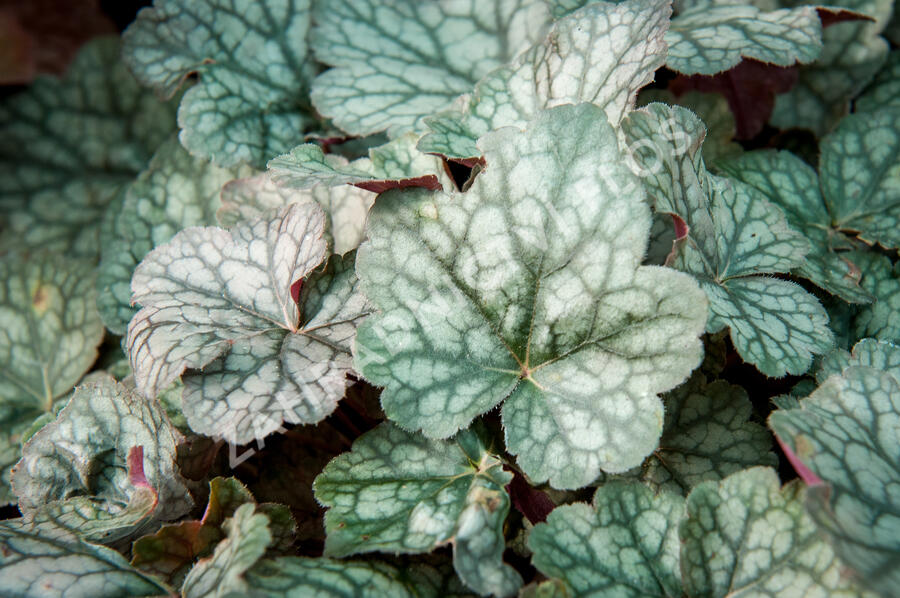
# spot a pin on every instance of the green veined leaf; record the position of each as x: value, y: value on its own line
x: 710, y: 39
x: 734, y: 239
x: 222, y: 302
x: 859, y: 170
x: 792, y: 185
x: 68, y: 145
x: 51, y: 334
x: 385, y: 81
x: 851, y: 56
x: 845, y: 433
x: 527, y: 288
x: 398, y: 492
x: 253, y: 68
x: 62, y: 565
x: 867, y: 352
x: 90, y: 468
x: 602, y: 54
x: 625, y: 544
x: 707, y: 435
x: 747, y: 536
x: 174, y: 192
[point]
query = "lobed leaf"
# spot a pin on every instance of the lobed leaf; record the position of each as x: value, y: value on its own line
x: 625, y: 544
x: 222, y: 302
x: 602, y: 54
x: 711, y: 39
x: 401, y: 492
x: 385, y: 82
x: 67, y: 146
x: 251, y: 58
x: 747, y: 536
x: 845, y: 433
x: 527, y: 288
x: 734, y: 239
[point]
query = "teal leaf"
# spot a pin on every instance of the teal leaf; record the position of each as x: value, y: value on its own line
x: 91, y: 468
x: 251, y: 58
x: 346, y: 207
x: 747, y: 536
x: 385, y: 82
x: 174, y: 192
x: 400, y: 492
x: 792, y: 185
x: 884, y: 91
x: 710, y: 39
x: 527, y: 288
x: 67, y: 146
x: 707, y: 435
x: 880, y: 320
x: 222, y: 302
x: 61, y: 565
x: 395, y: 164
x: 735, y: 240
x: 602, y: 54
x: 860, y: 175
x: 852, y: 54
x: 625, y: 544
x: 845, y: 433
x: 868, y: 352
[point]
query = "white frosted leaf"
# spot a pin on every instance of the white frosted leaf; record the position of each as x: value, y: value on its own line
x: 395, y: 164
x: 346, y: 207
x: 91, y: 467
x: 602, y: 54
x: 400, y: 492
x: 528, y: 288
x: 222, y: 302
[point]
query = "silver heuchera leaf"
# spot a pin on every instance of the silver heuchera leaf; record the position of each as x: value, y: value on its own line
x: 346, y: 207
x: 67, y: 146
x: 89, y: 451
x: 386, y: 81
x: 733, y: 239
x: 62, y: 565
x: 710, y: 39
x: 602, y: 54
x: 51, y: 331
x: 528, y: 288
x: 175, y: 191
x: 400, y: 492
x: 748, y: 536
x: 251, y: 60
x: 625, y: 544
x: 222, y: 302
x: 845, y: 434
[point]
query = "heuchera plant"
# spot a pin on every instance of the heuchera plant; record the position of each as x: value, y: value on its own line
x: 430, y: 298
